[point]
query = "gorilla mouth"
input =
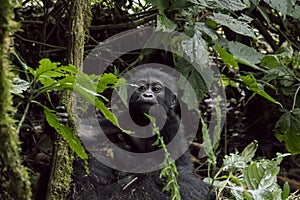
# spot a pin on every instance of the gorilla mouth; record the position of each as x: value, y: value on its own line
x: 146, y: 102
x: 145, y: 105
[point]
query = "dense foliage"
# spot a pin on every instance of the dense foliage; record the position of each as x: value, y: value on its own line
x: 254, y: 43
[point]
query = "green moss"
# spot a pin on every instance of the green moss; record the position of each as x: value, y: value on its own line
x: 17, y: 184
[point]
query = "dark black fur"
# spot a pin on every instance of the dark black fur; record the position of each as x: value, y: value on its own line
x: 106, y: 183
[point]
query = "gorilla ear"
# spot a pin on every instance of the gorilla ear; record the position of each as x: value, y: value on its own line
x: 174, y: 100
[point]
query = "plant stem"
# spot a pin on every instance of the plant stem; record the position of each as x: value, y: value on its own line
x: 295, y: 97
x: 23, y: 117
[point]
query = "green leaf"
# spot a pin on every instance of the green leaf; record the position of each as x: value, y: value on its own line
x: 226, y: 57
x: 245, y: 55
x: 261, y: 178
x: 106, y: 81
x: 32, y: 71
x: 250, y: 82
x: 48, y: 70
x: 200, y: 26
x: 294, y: 10
x: 251, y: 176
x: 288, y: 130
x: 180, y: 5
x: 45, y: 65
x: 233, y: 162
x: 249, y: 152
x: 217, y: 128
x: 286, y: 191
x: 227, y: 81
x: 188, y: 96
x: 270, y: 61
x: 278, y: 5
x: 235, y: 25
x: 223, y: 5
x: 196, y: 49
x: 196, y: 81
x: 46, y: 80
x: 198, y: 73
x: 19, y: 86
x: 122, y: 91
x: 108, y: 114
x: 207, y: 144
x: 85, y: 87
x: 70, y: 68
x: 66, y: 83
x: 66, y: 133
x: 165, y: 24
x: 160, y: 4
x: 284, y: 75
x: 230, y: 5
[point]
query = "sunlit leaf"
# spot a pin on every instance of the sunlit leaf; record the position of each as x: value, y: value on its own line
x: 45, y: 65
x: 105, y: 81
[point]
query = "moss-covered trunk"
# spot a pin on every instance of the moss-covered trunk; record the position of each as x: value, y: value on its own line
x: 17, y: 184
x: 79, y: 15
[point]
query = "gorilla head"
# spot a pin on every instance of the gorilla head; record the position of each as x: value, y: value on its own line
x: 152, y: 87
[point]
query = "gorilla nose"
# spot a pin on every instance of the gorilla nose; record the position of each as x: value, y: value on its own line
x: 148, y: 95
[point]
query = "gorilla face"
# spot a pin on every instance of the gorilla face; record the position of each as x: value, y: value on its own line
x: 150, y: 90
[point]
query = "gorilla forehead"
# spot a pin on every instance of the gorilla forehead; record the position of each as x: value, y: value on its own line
x: 151, y: 74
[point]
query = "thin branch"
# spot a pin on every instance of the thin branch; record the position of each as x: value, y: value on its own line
x: 40, y: 43
x: 124, y: 25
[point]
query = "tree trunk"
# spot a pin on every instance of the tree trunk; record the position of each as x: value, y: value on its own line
x: 79, y: 15
x: 17, y: 184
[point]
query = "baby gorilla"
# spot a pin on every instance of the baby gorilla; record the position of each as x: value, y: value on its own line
x: 152, y: 92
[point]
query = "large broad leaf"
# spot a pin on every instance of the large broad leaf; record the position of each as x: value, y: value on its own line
x: 231, y: 5
x: 200, y: 26
x: 197, y: 71
x: 235, y: 25
x: 245, y: 55
x: 223, y: 5
x: 226, y: 57
x: 250, y: 82
x: 261, y: 178
x: 195, y: 79
x: 279, y: 5
x: 288, y: 130
x: 196, y: 49
x: 66, y: 133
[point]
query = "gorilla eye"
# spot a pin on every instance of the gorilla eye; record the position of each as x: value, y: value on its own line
x: 142, y: 88
x: 157, y: 88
